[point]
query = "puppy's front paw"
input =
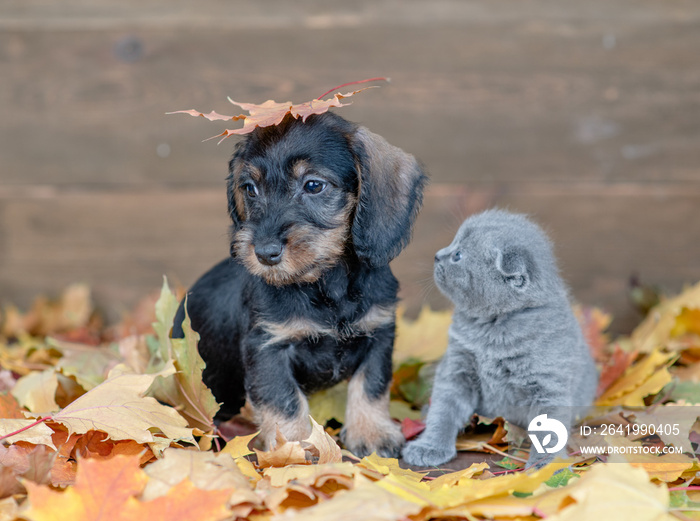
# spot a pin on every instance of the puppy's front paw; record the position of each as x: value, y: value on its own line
x: 386, y: 441
x: 425, y: 454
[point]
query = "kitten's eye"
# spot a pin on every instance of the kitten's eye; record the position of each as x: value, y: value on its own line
x: 314, y: 187
x: 250, y: 190
x: 457, y: 256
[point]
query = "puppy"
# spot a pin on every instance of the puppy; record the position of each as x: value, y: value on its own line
x: 307, y: 299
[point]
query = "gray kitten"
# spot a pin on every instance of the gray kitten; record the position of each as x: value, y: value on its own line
x: 515, y: 348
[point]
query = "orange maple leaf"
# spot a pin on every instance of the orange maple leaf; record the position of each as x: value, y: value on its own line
x: 272, y: 112
x: 109, y: 489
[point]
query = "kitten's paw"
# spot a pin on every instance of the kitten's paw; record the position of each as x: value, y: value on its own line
x: 386, y: 442
x: 425, y: 454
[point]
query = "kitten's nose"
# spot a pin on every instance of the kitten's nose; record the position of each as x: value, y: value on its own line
x: 440, y: 255
x: 269, y: 253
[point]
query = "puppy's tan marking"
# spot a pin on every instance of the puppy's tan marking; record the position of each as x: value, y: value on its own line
x: 375, y: 317
x: 255, y: 173
x: 368, y: 425
x: 293, y: 329
x: 300, y: 168
x: 296, y: 428
x: 237, y: 194
x: 309, y: 251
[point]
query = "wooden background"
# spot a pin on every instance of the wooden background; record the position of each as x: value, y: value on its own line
x: 584, y: 114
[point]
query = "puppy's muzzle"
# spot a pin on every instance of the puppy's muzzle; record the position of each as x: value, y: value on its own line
x: 269, y: 253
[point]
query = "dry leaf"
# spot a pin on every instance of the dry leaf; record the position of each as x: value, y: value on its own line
x: 423, y: 339
x: 238, y: 446
x: 284, y: 453
x: 615, y: 491
x: 37, y: 391
x: 321, y: 445
x: 661, y: 324
x: 647, y: 376
x: 271, y: 112
x: 108, y: 489
x: 119, y: 408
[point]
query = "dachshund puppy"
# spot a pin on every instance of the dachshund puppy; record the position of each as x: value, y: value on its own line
x: 307, y: 299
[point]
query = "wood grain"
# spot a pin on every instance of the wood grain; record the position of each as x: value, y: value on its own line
x: 584, y: 116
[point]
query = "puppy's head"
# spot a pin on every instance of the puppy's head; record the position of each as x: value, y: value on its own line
x: 304, y: 194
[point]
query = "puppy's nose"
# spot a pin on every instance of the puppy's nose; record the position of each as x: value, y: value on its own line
x: 269, y: 253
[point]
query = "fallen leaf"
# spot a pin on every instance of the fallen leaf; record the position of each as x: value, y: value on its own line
x: 321, y: 445
x: 184, y: 389
x: 271, y: 112
x: 38, y: 434
x: 647, y: 376
x: 424, y: 339
x: 37, y: 391
x: 119, y: 408
x: 238, y: 446
x: 108, y: 489
x: 614, y: 368
x: 284, y: 453
x: 615, y: 491
x: 662, y: 322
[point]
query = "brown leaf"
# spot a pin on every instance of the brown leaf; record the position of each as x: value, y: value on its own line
x: 271, y: 112
x: 285, y: 453
x: 108, y: 489
x: 322, y: 445
x: 614, y: 368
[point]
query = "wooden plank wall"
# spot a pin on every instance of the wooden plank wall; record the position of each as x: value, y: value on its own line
x: 585, y: 115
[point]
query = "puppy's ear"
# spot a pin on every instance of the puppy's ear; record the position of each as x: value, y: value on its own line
x: 516, y: 267
x: 236, y: 205
x: 390, y: 195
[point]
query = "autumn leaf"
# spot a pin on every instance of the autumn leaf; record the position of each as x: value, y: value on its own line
x: 322, y: 445
x: 238, y: 446
x: 37, y: 391
x: 644, y: 378
x: 284, y: 453
x: 37, y: 433
x: 271, y: 112
x: 424, y: 339
x: 615, y: 491
x: 184, y: 389
x: 109, y: 489
x: 669, y: 319
x: 206, y: 471
x: 119, y: 407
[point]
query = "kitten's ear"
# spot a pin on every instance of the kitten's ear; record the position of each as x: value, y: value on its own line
x: 515, y: 264
x: 390, y: 195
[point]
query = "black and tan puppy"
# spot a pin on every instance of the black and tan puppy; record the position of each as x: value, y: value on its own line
x: 307, y: 299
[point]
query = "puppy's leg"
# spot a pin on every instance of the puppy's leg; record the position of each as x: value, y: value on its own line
x: 368, y: 425
x: 452, y: 403
x: 276, y: 398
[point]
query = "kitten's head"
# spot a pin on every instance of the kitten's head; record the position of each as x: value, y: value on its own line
x: 498, y: 262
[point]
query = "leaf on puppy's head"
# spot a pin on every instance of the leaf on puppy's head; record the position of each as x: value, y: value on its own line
x: 272, y: 112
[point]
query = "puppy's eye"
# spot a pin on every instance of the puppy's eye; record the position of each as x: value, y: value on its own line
x: 314, y: 187
x: 457, y: 256
x: 250, y: 190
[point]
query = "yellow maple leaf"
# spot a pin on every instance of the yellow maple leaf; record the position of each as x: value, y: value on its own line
x: 647, y: 376
x: 615, y: 491
x: 238, y: 446
x: 423, y: 339
x: 119, y: 408
x: 108, y: 489
x: 669, y: 319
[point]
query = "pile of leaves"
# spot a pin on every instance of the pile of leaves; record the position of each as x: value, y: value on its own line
x: 115, y: 423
